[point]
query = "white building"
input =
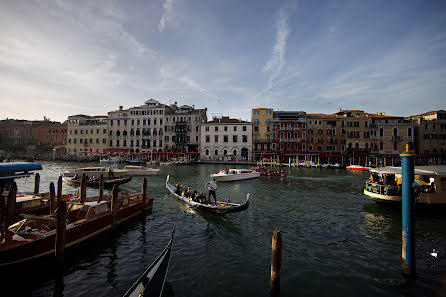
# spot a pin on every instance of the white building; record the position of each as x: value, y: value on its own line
x: 155, y: 127
x: 226, y: 139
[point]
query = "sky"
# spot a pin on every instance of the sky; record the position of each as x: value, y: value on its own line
x: 63, y: 57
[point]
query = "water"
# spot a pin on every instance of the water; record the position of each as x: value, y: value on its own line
x: 335, y: 241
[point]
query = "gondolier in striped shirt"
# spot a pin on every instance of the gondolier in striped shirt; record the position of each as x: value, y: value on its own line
x: 212, y: 187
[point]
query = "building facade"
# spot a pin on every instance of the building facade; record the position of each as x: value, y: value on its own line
x: 289, y: 134
x: 155, y: 127
x: 430, y: 132
x: 226, y: 139
x: 262, y: 120
x: 86, y: 134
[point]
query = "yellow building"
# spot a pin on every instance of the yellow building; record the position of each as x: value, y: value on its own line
x: 390, y: 134
x: 262, y: 119
x: 86, y: 134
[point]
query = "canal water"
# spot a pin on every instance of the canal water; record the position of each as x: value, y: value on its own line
x: 335, y: 241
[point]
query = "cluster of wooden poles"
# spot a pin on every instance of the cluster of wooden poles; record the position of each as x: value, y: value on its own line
x: 59, y: 207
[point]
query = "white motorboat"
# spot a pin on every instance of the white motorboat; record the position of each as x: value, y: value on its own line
x: 140, y: 170
x: 235, y: 174
x: 384, y: 185
x: 110, y: 160
x: 95, y: 171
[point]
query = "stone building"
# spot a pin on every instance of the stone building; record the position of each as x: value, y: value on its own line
x: 430, y: 132
x: 226, y: 139
x: 289, y: 132
x: 325, y: 133
x: 390, y: 134
x: 262, y: 120
x: 86, y: 134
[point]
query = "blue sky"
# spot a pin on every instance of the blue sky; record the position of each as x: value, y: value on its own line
x: 59, y: 58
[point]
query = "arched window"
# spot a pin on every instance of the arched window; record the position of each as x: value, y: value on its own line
x: 207, y: 152
x: 234, y: 152
x: 281, y: 135
x: 395, y: 131
x: 296, y: 135
x: 225, y: 152
x: 409, y: 132
x: 216, y: 152
x: 289, y: 135
x: 381, y: 132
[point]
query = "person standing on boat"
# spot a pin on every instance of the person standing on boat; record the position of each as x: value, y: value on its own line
x: 212, y: 187
x: 110, y: 172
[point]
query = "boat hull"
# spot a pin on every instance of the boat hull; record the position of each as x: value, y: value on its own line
x: 79, y: 231
x: 235, y: 177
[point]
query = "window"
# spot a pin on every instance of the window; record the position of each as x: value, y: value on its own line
x: 256, y: 112
x: 234, y: 138
x: 235, y: 128
x: 216, y: 128
x: 256, y: 121
x: 207, y: 152
x: 206, y: 129
x: 216, y: 138
x: 216, y: 152
x: 207, y: 138
x: 245, y: 138
x: 409, y: 132
x: 225, y: 138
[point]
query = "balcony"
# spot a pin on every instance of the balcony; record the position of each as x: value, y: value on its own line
x: 398, y: 138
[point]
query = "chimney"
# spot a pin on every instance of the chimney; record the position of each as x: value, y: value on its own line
x: 120, y: 107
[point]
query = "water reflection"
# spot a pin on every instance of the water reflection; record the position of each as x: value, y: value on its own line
x: 111, y: 267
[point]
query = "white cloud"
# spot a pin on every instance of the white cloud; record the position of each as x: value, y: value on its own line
x: 277, y: 60
x: 167, y: 15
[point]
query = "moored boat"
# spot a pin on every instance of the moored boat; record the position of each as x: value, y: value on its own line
x: 220, y: 208
x: 140, y: 170
x: 93, y: 181
x: 384, y: 185
x: 235, y: 174
x: 95, y: 171
x: 264, y: 171
x: 357, y: 168
x: 151, y: 282
x: 35, y: 236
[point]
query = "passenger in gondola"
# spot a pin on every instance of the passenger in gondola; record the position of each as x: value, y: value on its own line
x: 194, y: 196
x: 178, y: 189
x: 201, y: 198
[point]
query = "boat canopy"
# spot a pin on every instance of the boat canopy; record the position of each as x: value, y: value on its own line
x: 439, y: 170
x: 19, y: 167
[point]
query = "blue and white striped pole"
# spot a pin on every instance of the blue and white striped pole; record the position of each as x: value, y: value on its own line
x: 408, y: 213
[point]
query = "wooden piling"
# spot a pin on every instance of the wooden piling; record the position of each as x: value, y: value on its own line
x: 59, y: 189
x: 144, y: 193
x: 52, y: 201
x: 11, y: 207
x: 83, y: 188
x: 114, y: 207
x: 61, y: 215
x: 276, y: 262
x: 36, y: 183
x: 101, y: 187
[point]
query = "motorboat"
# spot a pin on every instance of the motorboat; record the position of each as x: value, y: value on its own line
x: 151, y: 282
x: 357, y: 168
x: 140, y: 170
x: 384, y: 184
x: 334, y: 166
x: 111, y: 160
x: 221, y: 207
x: 95, y: 171
x: 235, y: 174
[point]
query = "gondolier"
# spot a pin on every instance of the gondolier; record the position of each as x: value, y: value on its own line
x: 212, y: 187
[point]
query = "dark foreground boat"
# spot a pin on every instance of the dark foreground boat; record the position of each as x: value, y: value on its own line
x: 35, y: 236
x: 220, y: 208
x: 94, y: 182
x: 151, y: 282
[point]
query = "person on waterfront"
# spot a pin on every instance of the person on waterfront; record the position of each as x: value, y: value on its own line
x: 212, y: 187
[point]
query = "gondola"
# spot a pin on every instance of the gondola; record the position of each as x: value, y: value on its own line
x: 108, y: 183
x: 151, y: 282
x: 219, y: 208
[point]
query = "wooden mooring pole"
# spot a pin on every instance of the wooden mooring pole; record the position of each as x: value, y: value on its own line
x: 114, y: 207
x: 52, y: 198
x: 61, y: 215
x: 83, y: 188
x: 101, y: 187
x: 276, y: 262
x: 11, y: 207
x: 36, y: 183
x: 59, y: 189
x: 144, y: 193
